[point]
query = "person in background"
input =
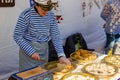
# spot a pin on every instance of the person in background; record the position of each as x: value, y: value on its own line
x: 111, y: 15
x: 35, y: 27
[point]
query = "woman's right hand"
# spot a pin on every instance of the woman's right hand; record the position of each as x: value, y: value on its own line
x: 36, y: 56
x: 64, y: 60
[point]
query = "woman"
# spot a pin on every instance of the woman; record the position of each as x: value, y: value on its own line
x: 35, y: 27
x: 111, y: 15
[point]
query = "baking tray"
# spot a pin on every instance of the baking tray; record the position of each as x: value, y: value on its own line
x: 85, y: 58
x: 98, y: 69
x: 53, y: 66
x: 79, y: 76
x: 114, y: 59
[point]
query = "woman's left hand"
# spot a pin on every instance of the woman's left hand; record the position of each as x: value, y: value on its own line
x: 64, y: 60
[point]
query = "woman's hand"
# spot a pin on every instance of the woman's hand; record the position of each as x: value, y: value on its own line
x: 105, y: 25
x: 64, y: 60
x: 36, y: 56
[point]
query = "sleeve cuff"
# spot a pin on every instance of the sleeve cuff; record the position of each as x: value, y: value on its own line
x: 31, y: 52
x: 61, y: 55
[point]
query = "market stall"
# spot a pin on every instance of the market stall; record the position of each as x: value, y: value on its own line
x: 102, y: 68
x: 73, y: 21
x: 94, y: 66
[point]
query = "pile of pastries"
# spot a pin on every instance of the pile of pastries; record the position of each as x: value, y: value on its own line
x: 101, y: 69
x: 78, y: 76
x: 114, y: 59
x: 64, y: 68
x: 61, y: 69
x: 83, y: 56
x: 58, y: 68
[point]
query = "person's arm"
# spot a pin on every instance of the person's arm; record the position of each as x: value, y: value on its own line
x: 19, y: 32
x: 55, y: 36
x: 57, y: 41
x: 105, y: 12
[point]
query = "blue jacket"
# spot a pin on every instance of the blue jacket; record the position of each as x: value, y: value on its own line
x: 31, y: 27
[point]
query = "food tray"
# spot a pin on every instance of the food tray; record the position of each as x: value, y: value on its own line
x: 114, y: 59
x: 100, y: 69
x: 78, y: 76
x: 56, y: 67
x: 83, y: 56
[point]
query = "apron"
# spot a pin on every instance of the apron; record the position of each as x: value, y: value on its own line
x: 26, y: 62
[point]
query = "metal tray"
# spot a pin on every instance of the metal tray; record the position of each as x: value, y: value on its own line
x: 114, y: 59
x: 83, y: 60
x: 53, y: 66
x: 98, y: 70
x: 79, y: 76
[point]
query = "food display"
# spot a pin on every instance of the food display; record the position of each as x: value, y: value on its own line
x: 58, y: 68
x: 100, y: 69
x: 88, y: 70
x: 114, y: 59
x: 78, y: 76
x: 83, y: 56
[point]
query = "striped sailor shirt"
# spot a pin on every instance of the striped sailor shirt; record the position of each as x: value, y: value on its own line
x: 31, y: 27
x: 111, y: 14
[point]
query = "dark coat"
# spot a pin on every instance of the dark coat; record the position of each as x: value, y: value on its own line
x: 69, y: 46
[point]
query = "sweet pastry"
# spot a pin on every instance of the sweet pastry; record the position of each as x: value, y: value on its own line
x: 58, y: 68
x: 83, y: 56
x: 115, y: 60
x: 78, y: 76
x: 101, y: 69
x: 64, y: 68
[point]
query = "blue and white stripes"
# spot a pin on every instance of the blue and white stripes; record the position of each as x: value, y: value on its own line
x: 33, y: 27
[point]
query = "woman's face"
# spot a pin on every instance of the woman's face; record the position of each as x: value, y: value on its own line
x: 41, y: 11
